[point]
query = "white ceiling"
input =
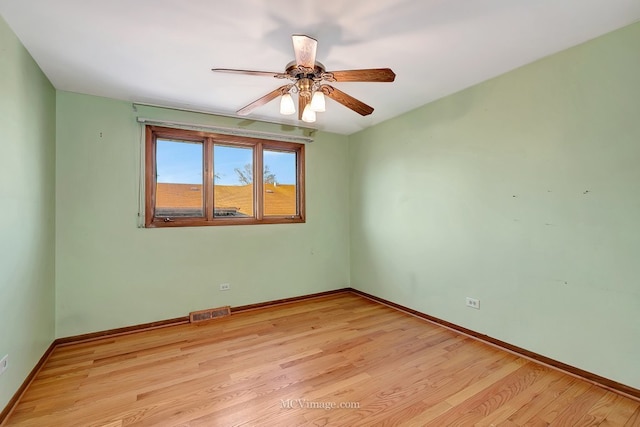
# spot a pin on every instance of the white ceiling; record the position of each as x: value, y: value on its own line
x: 161, y: 51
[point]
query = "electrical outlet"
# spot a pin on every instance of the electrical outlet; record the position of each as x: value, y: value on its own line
x: 4, y: 364
x: 473, y: 303
x: 225, y: 286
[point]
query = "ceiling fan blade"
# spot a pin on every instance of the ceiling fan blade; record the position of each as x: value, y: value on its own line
x: 304, y: 48
x: 249, y: 72
x: 346, y: 100
x: 366, y: 75
x: 246, y: 110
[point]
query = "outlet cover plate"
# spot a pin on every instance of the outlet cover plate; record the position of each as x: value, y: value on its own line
x: 473, y: 303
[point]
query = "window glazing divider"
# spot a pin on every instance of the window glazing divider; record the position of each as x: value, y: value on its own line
x: 208, y: 185
x: 258, y: 185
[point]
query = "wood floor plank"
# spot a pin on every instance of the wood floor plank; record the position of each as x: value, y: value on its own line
x: 337, y: 360
x: 634, y: 419
x: 620, y: 413
x: 539, y: 401
x: 502, y: 415
x: 563, y: 401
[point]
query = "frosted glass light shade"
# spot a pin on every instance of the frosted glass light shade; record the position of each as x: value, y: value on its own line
x: 317, y: 102
x: 308, y: 115
x: 287, y: 106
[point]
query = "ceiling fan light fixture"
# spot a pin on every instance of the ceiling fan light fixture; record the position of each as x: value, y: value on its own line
x: 317, y: 102
x: 306, y: 76
x: 308, y: 115
x: 287, y: 107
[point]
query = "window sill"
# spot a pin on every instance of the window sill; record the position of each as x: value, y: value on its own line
x: 197, y: 222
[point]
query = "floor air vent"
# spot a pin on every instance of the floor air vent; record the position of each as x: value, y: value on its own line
x: 209, y: 314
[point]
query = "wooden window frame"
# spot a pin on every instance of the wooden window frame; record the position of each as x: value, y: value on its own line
x: 208, y: 140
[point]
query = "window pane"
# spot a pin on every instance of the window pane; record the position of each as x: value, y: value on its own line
x: 179, y: 179
x: 280, y: 180
x: 232, y: 181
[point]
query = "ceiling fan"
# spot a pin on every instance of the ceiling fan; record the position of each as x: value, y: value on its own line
x: 308, y: 78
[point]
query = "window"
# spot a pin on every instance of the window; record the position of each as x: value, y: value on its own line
x: 197, y: 178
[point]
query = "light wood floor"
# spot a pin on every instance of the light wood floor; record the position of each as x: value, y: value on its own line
x: 386, y: 367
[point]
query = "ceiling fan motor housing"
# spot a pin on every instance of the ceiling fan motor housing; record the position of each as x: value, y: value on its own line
x: 305, y: 85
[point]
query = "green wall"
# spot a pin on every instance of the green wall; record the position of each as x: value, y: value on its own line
x: 27, y: 208
x: 524, y: 192
x: 111, y: 273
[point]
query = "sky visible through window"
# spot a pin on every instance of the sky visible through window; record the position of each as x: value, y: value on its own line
x: 181, y: 163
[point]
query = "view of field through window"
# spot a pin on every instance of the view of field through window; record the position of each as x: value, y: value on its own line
x: 180, y: 177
